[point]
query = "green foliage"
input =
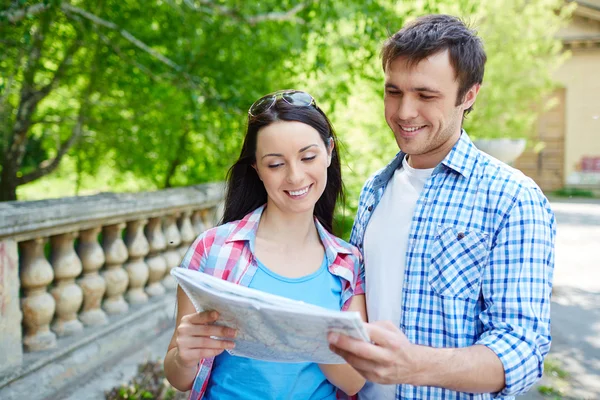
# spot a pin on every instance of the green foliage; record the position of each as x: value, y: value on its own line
x: 553, y: 368
x: 550, y: 392
x: 149, y: 383
x: 161, y: 88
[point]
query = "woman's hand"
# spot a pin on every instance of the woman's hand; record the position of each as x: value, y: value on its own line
x: 195, y: 338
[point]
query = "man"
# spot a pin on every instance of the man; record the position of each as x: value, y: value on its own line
x: 458, y: 247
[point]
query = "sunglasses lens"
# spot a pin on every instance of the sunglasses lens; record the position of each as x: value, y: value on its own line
x: 298, y: 98
x: 261, y: 105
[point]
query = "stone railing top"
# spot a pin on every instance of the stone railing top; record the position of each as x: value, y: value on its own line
x: 25, y: 220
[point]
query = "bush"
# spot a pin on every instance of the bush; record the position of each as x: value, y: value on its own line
x: 149, y: 383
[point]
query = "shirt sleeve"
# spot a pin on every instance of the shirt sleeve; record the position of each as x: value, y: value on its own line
x: 357, y: 226
x: 359, y: 272
x: 195, y: 257
x: 517, y: 287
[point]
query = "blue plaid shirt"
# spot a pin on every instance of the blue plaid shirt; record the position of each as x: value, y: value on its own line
x: 479, y: 265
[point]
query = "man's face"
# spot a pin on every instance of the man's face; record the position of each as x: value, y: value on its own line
x: 420, y: 107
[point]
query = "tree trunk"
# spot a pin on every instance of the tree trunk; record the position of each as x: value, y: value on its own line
x: 8, y: 184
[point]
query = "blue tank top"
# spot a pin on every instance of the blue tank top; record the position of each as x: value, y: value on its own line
x: 234, y: 377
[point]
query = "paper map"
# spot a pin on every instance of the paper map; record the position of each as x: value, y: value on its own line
x: 271, y: 328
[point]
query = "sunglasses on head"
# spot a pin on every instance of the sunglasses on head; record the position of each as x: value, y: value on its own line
x: 292, y: 97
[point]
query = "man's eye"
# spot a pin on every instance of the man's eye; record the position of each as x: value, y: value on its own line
x: 427, y: 97
x: 393, y: 93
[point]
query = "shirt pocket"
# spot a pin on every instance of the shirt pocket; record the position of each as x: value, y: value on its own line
x: 457, y: 261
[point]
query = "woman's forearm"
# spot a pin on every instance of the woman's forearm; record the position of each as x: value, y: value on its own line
x: 180, y: 377
x: 344, y: 377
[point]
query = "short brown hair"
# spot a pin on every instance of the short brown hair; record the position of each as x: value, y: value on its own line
x: 431, y: 34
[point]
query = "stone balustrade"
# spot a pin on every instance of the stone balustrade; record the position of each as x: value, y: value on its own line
x: 72, y: 263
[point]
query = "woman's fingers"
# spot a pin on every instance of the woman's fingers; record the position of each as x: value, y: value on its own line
x: 206, y: 330
x: 200, y: 342
x: 205, y: 317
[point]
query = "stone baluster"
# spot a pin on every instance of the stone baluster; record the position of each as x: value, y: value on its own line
x: 38, y: 305
x: 116, y: 278
x: 93, y: 285
x: 157, y: 265
x: 198, y: 222
x: 136, y: 267
x: 209, y: 216
x: 171, y: 254
x: 187, y: 232
x: 67, y: 294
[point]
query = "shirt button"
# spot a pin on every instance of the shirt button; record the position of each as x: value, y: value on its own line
x: 370, y: 208
x: 460, y: 235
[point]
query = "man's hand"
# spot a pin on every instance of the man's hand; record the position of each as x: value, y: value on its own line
x: 389, y: 359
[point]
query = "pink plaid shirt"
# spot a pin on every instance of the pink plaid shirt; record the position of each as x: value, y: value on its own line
x: 227, y: 252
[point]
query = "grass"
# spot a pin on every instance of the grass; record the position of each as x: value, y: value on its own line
x: 557, y: 384
x: 149, y: 383
x: 574, y: 192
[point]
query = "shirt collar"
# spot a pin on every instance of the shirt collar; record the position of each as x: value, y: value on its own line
x: 247, y: 227
x: 461, y: 159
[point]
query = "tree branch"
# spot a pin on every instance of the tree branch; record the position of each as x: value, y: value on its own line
x: 117, y: 50
x: 55, y: 121
x: 48, y: 166
x: 68, y: 9
x: 15, y: 16
x: 289, y: 15
x: 60, y: 71
x: 13, y: 153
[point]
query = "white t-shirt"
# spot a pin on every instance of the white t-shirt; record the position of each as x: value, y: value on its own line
x: 385, y: 245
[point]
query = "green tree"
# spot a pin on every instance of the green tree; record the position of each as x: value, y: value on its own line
x: 160, y: 89
x: 155, y: 88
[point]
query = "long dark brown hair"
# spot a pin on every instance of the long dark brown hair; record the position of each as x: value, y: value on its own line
x: 245, y: 191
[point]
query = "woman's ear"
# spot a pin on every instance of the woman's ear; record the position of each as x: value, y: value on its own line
x: 256, y: 169
x: 330, y: 147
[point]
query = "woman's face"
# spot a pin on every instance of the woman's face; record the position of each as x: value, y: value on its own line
x: 292, y: 161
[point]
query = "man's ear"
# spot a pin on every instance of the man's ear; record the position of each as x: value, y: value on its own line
x: 470, y: 96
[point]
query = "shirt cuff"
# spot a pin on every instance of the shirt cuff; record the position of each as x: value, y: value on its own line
x: 522, y: 359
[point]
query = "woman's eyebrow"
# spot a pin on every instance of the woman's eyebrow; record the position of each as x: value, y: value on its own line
x: 307, y: 147
x: 299, y: 151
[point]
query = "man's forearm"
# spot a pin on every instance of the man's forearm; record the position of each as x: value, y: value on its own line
x: 474, y: 369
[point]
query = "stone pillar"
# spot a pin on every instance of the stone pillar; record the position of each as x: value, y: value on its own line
x: 66, y: 293
x: 209, y: 215
x: 11, y: 347
x: 115, y: 276
x: 136, y: 267
x: 187, y: 232
x: 38, y: 305
x: 91, y: 283
x: 157, y: 265
x: 171, y: 254
x: 198, y: 222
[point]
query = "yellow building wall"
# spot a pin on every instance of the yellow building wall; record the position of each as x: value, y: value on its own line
x: 580, y: 77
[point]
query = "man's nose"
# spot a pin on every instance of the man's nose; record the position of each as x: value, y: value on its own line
x: 407, y: 109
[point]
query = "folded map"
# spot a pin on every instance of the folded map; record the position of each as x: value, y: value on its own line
x: 270, y: 327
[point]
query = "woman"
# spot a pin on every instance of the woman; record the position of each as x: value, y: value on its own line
x: 275, y: 237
